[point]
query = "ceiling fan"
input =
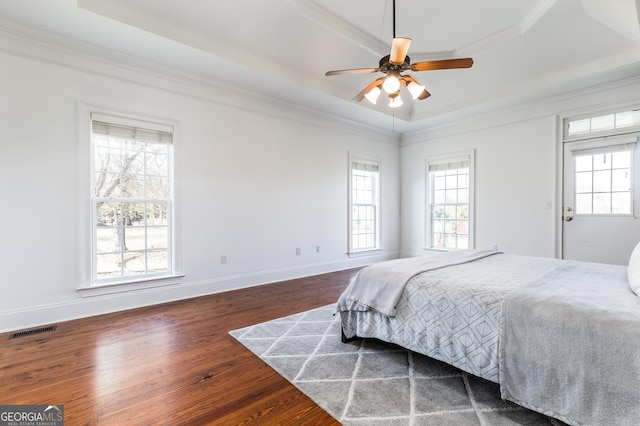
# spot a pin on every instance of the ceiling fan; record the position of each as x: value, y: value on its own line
x: 393, y: 65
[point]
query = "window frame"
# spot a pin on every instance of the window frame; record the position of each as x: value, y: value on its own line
x: 352, y: 251
x: 610, y: 145
x: 454, y: 157
x: 89, y: 286
x: 591, y: 134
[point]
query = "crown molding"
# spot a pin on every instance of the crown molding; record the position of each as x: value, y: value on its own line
x: 35, y: 44
x: 535, y: 14
x: 605, y: 96
x: 339, y: 26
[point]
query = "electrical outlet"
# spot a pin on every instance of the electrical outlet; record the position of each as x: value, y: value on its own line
x: 317, y: 249
x: 224, y: 258
x: 298, y: 251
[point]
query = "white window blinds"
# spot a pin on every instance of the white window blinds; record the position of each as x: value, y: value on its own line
x: 451, y: 164
x: 606, y: 145
x: 368, y: 166
x: 102, y: 124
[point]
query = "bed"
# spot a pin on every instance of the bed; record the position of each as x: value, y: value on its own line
x: 560, y: 337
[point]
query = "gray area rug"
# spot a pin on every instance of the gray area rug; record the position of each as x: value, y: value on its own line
x: 368, y: 382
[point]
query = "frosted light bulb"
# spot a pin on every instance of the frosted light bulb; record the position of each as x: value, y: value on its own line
x: 391, y: 84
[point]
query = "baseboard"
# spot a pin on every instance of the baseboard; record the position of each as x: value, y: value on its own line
x: 84, y: 307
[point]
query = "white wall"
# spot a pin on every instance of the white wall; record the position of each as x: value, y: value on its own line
x: 518, y: 164
x: 254, y: 181
x: 514, y: 179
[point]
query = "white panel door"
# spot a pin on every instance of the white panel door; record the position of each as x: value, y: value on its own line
x: 601, y: 182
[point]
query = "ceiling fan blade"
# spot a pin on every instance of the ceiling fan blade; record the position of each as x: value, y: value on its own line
x: 399, y: 49
x: 352, y: 71
x: 406, y: 79
x: 445, y: 64
x: 374, y: 83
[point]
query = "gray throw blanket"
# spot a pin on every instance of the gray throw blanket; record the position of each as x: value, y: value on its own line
x: 571, y: 346
x: 380, y: 285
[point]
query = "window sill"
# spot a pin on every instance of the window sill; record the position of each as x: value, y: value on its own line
x: 436, y: 249
x: 361, y: 253
x: 128, y: 286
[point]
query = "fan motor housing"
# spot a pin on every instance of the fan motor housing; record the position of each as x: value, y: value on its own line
x: 385, y: 66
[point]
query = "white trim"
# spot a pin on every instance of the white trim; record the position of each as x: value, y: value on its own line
x: 134, y: 285
x: 559, y: 179
x: 38, y: 45
x: 365, y: 252
x: 607, y: 95
x: 84, y: 307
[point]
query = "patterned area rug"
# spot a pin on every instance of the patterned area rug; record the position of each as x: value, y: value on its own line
x: 368, y: 382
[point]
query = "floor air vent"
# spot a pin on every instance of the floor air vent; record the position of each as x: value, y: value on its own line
x: 32, y: 332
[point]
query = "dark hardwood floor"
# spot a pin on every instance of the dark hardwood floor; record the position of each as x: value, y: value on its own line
x: 169, y: 364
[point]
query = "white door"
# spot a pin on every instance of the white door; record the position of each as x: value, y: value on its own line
x: 601, y: 199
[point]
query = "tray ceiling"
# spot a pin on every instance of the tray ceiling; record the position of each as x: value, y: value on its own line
x: 522, y: 50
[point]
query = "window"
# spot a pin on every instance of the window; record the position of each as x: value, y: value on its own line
x: 603, y: 183
x: 131, y: 199
x: 450, y: 197
x: 601, y: 173
x: 364, y: 213
x: 607, y: 123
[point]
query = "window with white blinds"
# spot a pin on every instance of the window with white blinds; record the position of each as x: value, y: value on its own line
x: 132, y: 199
x: 364, y: 211
x: 450, y: 198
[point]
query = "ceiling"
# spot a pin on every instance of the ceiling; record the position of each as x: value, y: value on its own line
x: 281, y: 49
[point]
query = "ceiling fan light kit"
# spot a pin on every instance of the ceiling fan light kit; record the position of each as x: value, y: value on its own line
x: 416, y: 89
x: 373, y: 94
x: 391, y: 83
x: 395, y: 100
x: 393, y: 65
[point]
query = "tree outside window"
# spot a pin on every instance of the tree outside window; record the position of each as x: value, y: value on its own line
x: 131, y: 201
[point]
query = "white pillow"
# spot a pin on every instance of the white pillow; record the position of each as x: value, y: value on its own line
x: 633, y: 270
